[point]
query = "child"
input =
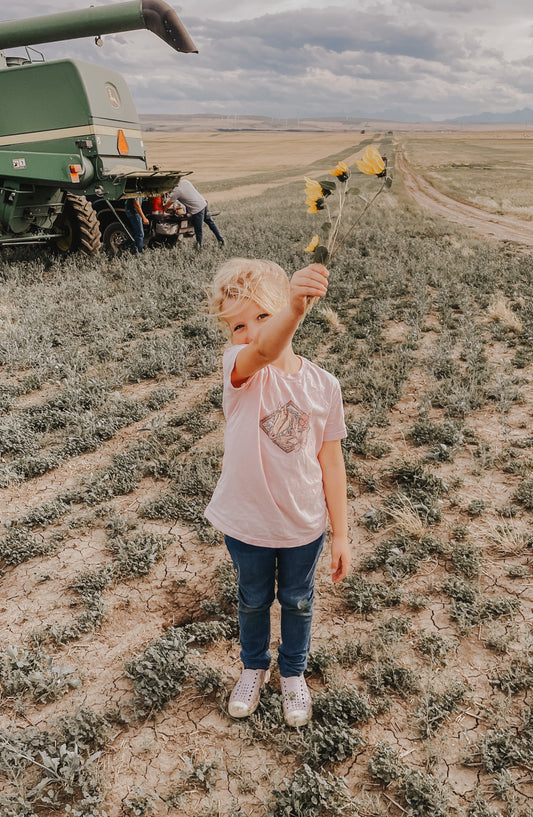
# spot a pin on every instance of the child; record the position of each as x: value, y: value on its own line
x: 283, y: 470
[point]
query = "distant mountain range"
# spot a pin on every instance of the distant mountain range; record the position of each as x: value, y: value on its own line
x: 525, y: 115
x: 385, y: 120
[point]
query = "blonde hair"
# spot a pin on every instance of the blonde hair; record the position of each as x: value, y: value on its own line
x: 241, y: 279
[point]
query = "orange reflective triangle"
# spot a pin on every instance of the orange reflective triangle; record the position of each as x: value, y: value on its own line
x: 122, y: 144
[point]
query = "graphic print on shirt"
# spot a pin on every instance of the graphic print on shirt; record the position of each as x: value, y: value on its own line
x: 287, y: 427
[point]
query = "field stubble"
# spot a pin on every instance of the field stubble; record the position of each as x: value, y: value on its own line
x: 118, y: 639
x: 491, y: 170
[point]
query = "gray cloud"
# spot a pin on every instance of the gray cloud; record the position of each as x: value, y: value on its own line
x: 337, y: 30
x: 433, y: 57
x: 453, y: 6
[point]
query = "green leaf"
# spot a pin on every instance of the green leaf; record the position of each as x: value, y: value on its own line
x: 326, y: 227
x: 328, y: 185
x: 353, y: 191
x: 321, y: 254
x: 388, y: 181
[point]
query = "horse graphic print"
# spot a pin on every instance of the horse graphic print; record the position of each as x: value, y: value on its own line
x: 287, y: 427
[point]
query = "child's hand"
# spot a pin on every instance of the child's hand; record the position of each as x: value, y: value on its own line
x: 341, y: 558
x: 309, y: 282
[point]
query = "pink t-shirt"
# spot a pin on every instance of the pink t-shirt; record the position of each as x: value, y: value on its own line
x: 270, y: 492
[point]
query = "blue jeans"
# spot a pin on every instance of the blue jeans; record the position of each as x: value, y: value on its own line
x: 137, y: 230
x: 256, y: 577
x: 197, y: 221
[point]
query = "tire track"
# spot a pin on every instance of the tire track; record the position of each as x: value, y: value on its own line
x: 488, y: 225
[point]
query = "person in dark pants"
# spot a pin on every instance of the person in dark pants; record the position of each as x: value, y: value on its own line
x: 137, y: 220
x: 196, y: 209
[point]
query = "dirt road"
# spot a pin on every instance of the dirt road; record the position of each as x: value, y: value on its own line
x: 502, y: 228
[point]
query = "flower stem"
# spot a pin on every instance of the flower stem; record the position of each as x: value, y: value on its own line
x: 335, y: 231
x: 356, y: 222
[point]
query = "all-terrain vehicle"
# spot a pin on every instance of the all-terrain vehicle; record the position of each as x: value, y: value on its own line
x: 164, y: 228
x: 69, y: 130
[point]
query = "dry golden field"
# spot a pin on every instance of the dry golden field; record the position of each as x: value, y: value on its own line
x: 267, y: 159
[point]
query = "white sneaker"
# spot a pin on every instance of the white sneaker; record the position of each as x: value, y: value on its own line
x: 246, y: 693
x: 297, y: 706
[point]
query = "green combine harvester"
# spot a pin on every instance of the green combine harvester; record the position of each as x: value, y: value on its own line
x: 69, y: 129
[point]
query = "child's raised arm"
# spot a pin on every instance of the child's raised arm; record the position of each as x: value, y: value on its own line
x: 275, y: 333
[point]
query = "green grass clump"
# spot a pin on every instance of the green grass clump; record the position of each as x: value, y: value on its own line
x: 43, y: 515
x: 465, y: 559
x: 193, y: 486
x: 420, y: 485
x: 504, y: 748
x: 444, y: 439
x: 524, y: 494
x: 425, y: 432
x: 159, y: 674
x: 517, y: 676
x: 346, y: 654
x: 34, y: 674
x: 469, y: 606
x: 366, y: 597
x: 18, y: 545
x: 402, y: 554
x: 54, y: 770
x: 424, y: 795
x: 362, y: 442
x: 476, y: 507
x: 136, y: 555
x: 386, y: 675
x: 435, y: 646
x: 138, y: 803
x: 225, y: 602
x: 330, y: 737
x: 436, y: 707
x: 480, y: 808
x: 385, y: 765
x: 120, y: 478
x: 309, y: 793
x: 196, y: 421
x: 392, y: 629
x: 417, y: 490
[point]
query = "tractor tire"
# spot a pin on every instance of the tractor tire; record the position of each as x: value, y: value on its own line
x: 115, y: 239
x: 82, y: 230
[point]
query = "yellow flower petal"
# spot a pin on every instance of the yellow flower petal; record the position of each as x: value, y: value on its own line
x: 341, y: 169
x: 313, y: 244
x: 371, y: 162
x: 365, y: 167
x: 313, y: 188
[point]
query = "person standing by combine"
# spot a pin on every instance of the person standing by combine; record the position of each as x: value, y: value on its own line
x: 196, y: 209
x: 137, y: 220
x: 282, y: 473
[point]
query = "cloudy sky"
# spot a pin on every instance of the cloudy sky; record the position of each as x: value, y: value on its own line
x: 431, y: 59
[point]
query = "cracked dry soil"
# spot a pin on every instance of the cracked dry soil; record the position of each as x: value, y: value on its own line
x: 154, y: 753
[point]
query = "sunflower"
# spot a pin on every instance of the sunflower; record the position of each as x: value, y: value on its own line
x: 313, y: 244
x: 313, y: 189
x: 315, y: 194
x: 342, y: 172
x: 315, y: 206
x: 372, y: 163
